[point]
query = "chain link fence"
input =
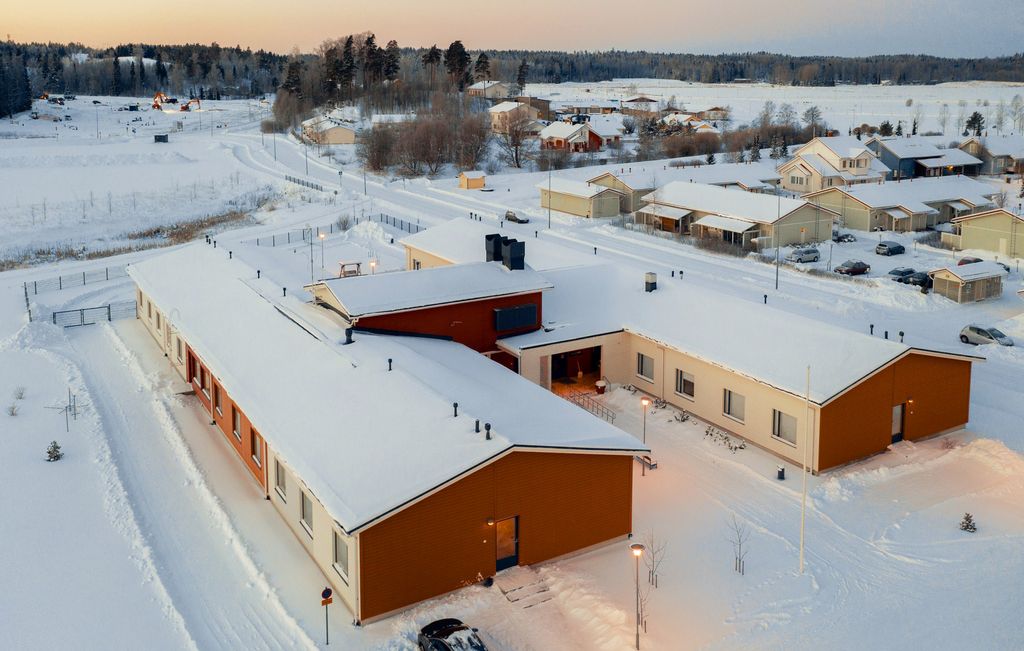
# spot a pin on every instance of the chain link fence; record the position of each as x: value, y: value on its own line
x: 86, y: 315
x: 67, y: 281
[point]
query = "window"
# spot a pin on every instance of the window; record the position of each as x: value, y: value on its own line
x: 216, y: 399
x: 783, y: 426
x: 733, y: 405
x: 796, y: 180
x: 255, y: 444
x: 158, y: 321
x: 844, y: 163
x: 204, y: 381
x: 179, y: 349
x: 645, y: 367
x: 149, y: 310
x: 306, y: 513
x: 341, y: 556
x: 280, y: 480
x: 236, y: 423
x: 684, y: 384
x: 514, y: 318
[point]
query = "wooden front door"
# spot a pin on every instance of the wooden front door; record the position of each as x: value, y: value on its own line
x: 506, y: 543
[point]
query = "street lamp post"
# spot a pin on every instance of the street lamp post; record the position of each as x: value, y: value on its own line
x: 322, y: 237
x: 645, y: 401
x: 638, y: 551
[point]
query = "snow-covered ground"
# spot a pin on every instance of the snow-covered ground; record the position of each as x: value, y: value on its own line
x: 172, y: 546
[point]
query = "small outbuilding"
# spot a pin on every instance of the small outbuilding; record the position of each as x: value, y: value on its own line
x: 968, y: 283
x: 472, y: 180
x: 578, y: 198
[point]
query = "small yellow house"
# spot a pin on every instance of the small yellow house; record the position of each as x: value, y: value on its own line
x: 999, y: 231
x: 508, y: 113
x: 630, y: 200
x: 577, y: 198
x: 968, y: 283
x: 472, y: 180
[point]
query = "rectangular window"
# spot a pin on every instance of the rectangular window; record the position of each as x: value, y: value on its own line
x: 149, y: 310
x: 216, y: 399
x: 684, y: 384
x: 733, y: 405
x: 280, y: 480
x: 306, y: 513
x: 341, y: 556
x: 256, y: 445
x: 514, y: 318
x: 645, y: 367
x: 204, y: 381
x: 158, y: 321
x: 236, y: 423
x: 179, y: 348
x: 783, y: 426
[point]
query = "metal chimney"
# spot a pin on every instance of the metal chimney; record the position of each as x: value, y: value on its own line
x: 492, y: 246
x: 650, y: 281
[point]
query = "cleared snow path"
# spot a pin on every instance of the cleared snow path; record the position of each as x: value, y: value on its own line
x: 223, y: 597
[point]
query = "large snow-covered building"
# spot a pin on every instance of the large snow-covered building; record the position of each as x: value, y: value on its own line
x: 828, y: 162
x: 407, y: 466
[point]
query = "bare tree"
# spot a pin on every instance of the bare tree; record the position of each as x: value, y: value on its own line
x: 739, y: 534
x: 514, y: 141
x: 653, y: 557
x: 1017, y: 112
x: 944, y: 117
x: 1000, y: 199
x: 961, y: 115
x: 812, y: 117
x: 999, y: 119
x: 786, y: 116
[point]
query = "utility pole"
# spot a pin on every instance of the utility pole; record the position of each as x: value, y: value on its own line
x: 549, y: 195
x: 775, y: 239
x: 808, y: 438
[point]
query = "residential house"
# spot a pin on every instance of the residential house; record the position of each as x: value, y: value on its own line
x: 688, y: 121
x: 509, y: 112
x: 969, y: 283
x: 542, y: 105
x: 394, y: 505
x: 910, y: 205
x: 585, y: 106
x: 998, y: 154
x: 575, y: 138
x: 488, y: 89
x: 640, y: 106
x: 578, y: 198
x: 999, y: 231
x: 472, y: 180
x: 608, y: 128
x: 913, y: 156
x: 832, y: 161
x: 329, y: 129
x: 747, y: 219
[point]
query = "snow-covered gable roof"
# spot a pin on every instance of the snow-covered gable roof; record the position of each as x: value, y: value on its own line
x: 908, y: 147
x: 564, y: 130
x: 987, y: 213
x: 915, y: 194
x: 574, y: 188
x: 365, y: 440
x: 877, y: 169
x: 1012, y: 145
x: 505, y: 107
x: 749, y: 206
x: 719, y: 329
x: 954, y: 157
x: 845, y: 146
x: 484, y: 85
x: 473, y: 174
x: 972, y: 271
x: 401, y: 291
x: 606, y: 126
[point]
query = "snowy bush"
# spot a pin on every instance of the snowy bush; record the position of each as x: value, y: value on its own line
x: 19, y: 393
x: 12, y: 410
x: 967, y: 524
x: 53, y: 452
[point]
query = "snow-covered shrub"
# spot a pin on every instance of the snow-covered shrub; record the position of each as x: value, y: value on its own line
x: 967, y: 524
x: 53, y: 452
x: 19, y: 393
x: 13, y: 409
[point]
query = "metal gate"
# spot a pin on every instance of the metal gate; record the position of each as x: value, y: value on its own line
x: 89, y: 315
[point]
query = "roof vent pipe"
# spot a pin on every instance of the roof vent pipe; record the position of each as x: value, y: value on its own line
x: 487, y: 431
x: 476, y: 428
x: 455, y: 406
x: 348, y: 336
x: 258, y: 272
x: 389, y: 363
x: 650, y: 281
x: 284, y: 291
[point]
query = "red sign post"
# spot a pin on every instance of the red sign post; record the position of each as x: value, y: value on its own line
x: 325, y: 600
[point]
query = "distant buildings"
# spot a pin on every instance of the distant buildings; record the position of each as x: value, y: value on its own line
x: 913, y: 156
x: 999, y: 154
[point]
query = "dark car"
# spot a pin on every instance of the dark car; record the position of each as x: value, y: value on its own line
x: 853, y: 268
x: 889, y: 248
x: 967, y: 259
x: 843, y: 237
x: 449, y: 635
x: 899, y: 274
x: 918, y: 279
x: 511, y: 216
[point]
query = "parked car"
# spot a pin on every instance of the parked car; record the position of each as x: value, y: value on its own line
x: 843, y: 237
x: 853, y: 268
x: 889, y: 248
x: 918, y: 279
x: 1005, y: 267
x: 449, y: 635
x: 511, y: 216
x: 900, y: 274
x: 967, y: 260
x: 804, y: 254
x: 976, y: 334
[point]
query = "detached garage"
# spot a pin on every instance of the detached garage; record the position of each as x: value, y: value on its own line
x: 969, y: 282
x: 578, y: 198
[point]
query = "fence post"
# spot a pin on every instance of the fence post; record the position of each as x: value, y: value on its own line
x: 83, y: 278
x: 106, y: 271
x: 60, y: 282
x: 108, y: 313
x: 54, y: 315
x: 81, y: 317
x: 35, y: 287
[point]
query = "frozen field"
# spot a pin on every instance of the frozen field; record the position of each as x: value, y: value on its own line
x: 174, y: 547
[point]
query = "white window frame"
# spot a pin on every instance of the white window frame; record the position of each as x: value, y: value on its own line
x: 179, y: 350
x: 280, y: 480
x: 342, y: 570
x: 257, y: 450
x: 640, y: 367
x: 217, y: 402
x: 159, y: 322
x: 236, y: 423
x: 727, y: 405
x: 305, y: 500
x: 777, y: 427
x: 680, y: 388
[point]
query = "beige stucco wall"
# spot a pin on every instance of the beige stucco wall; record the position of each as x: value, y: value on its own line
x: 812, y: 180
x: 320, y: 546
x: 426, y: 260
x: 166, y: 336
x: 534, y: 367
x: 337, y: 136
x: 806, y: 224
x: 852, y: 214
x: 630, y: 200
x: 603, y: 205
x: 999, y: 233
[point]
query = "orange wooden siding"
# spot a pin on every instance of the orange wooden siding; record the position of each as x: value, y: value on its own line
x: 859, y: 423
x: 565, y: 502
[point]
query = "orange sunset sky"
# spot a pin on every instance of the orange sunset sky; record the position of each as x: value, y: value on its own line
x: 942, y: 27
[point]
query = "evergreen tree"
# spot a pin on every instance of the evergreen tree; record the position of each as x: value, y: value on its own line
x: 115, y: 83
x: 710, y: 160
x: 975, y: 124
x: 347, y: 75
x: 899, y: 128
x: 53, y: 452
x: 132, y: 78
x: 755, y: 150
x: 885, y: 128
x: 392, y: 60
x: 331, y: 79
x: 293, y: 78
x: 967, y: 524
x: 482, y: 67
x: 431, y: 59
x: 913, y: 127
x: 524, y: 70
x: 142, y: 74
x: 456, y: 64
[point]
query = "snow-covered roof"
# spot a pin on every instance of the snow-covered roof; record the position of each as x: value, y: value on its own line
x: 845, y: 146
x: 606, y: 126
x: 563, y: 130
x: 972, y: 271
x: 750, y: 176
x: 668, y: 212
x: 749, y: 206
x: 877, y: 169
x: 954, y: 157
x: 558, y: 105
x: 730, y: 224
x: 916, y: 194
x: 484, y: 85
x: 473, y: 174
x: 364, y: 440
x: 1012, y: 145
x: 574, y: 188
x: 399, y: 291
x: 912, y: 147
x: 505, y: 107
x: 987, y: 213
x: 716, y: 328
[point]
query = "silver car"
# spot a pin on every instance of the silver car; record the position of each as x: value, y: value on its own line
x: 806, y: 254
x: 976, y: 334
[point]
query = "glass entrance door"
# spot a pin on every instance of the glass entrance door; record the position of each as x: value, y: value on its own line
x: 507, y: 543
x: 897, y: 423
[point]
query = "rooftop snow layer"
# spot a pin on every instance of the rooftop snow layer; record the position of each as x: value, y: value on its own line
x: 365, y: 440
x: 563, y: 130
x: 574, y: 188
x: 751, y: 206
x: 1012, y: 145
x: 758, y: 341
x: 406, y: 290
x: 971, y: 271
x: 915, y: 194
x: 953, y: 157
x: 503, y: 107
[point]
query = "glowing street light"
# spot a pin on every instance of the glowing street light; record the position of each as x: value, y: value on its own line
x: 373, y: 267
x: 646, y: 402
x: 638, y: 551
x: 322, y: 237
